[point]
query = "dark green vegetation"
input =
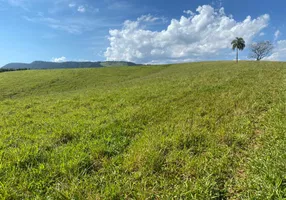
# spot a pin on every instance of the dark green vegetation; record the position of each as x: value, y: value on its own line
x: 238, y: 44
x: 189, y: 131
x: 63, y: 65
x: 11, y: 70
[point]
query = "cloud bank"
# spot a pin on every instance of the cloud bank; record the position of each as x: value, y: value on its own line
x: 201, y: 35
x: 59, y: 60
x: 279, y: 52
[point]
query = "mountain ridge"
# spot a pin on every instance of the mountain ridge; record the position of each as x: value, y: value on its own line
x: 68, y: 64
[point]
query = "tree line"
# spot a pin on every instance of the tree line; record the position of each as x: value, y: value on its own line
x: 10, y: 70
x: 258, y: 50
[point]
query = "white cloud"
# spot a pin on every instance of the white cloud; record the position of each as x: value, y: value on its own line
x: 189, y: 12
x: 60, y: 59
x: 276, y: 35
x: 205, y: 35
x: 71, y: 5
x: 261, y: 34
x: 279, y: 52
x: 150, y: 19
x: 147, y: 18
x: 81, y: 9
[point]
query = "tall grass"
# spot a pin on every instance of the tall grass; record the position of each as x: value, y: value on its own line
x: 213, y: 130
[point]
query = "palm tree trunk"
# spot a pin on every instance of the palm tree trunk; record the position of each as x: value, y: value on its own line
x: 236, y: 55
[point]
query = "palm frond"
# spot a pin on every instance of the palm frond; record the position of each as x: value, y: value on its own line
x: 238, y: 43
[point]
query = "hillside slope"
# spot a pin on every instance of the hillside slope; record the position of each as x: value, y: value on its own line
x: 65, y: 65
x: 190, y: 131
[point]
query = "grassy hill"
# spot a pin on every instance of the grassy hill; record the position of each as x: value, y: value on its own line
x: 213, y: 130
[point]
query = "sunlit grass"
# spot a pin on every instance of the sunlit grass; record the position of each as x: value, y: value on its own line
x: 191, y: 131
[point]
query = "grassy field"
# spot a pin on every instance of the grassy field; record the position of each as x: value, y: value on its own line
x: 213, y: 130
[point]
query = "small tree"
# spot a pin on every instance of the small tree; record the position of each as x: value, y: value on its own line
x: 260, y: 50
x: 238, y: 44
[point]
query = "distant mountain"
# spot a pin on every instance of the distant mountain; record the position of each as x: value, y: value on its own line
x: 62, y: 65
x: 15, y: 66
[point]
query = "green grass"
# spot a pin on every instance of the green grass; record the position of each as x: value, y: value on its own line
x: 213, y: 130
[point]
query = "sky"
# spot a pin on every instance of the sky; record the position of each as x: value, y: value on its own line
x: 141, y: 31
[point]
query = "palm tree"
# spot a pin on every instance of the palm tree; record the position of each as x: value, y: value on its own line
x: 238, y: 44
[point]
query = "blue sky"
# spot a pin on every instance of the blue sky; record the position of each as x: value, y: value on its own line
x: 145, y: 31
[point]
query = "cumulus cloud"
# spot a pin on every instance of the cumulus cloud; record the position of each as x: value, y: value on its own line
x: 60, y: 59
x: 279, y: 52
x: 189, y: 12
x: 81, y: 9
x: 204, y: 35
